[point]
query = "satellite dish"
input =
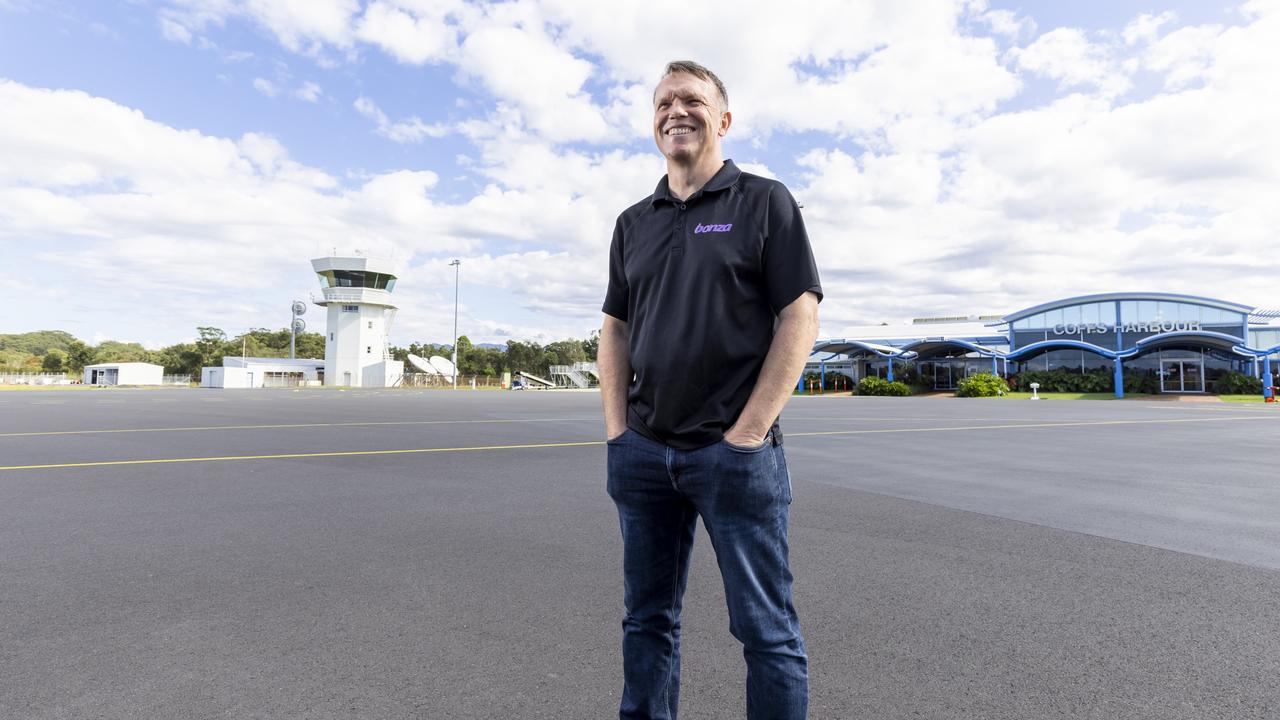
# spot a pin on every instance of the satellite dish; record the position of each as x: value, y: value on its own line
x: 422, y: 364
x: 299, y: 307
x: 299, y: 325
x: 442, y: 365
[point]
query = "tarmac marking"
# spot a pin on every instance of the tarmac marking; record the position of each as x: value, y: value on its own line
x: 345, y: 453
x: 587, y: 443
x: 278, y: 426
x: 1083, y: 423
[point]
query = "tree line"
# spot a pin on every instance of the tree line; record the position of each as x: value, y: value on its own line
x: 517, y: 356
x: 56, y: 351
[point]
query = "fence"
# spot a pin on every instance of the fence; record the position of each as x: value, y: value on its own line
x: 176, y: 380
x: 465, y: 382
x: 34, y: 379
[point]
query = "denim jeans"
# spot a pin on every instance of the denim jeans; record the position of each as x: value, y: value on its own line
x: 743, y: 496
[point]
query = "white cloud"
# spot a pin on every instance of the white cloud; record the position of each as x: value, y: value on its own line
x: 408, y: 131
x: 309, y: 91
x: 1146, y: 27
x: 1008, y: 23
x: 1066, y: 55
x: 175, y: 31
x: 266, y: 87
x: 414, y: 33
x: 1185, y: 55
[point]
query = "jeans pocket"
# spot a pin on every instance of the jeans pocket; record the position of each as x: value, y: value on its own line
x: 768, y: 438
x: 620, y: 439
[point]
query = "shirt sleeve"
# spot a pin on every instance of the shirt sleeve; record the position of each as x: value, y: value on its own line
x: 618, y: 295
x: 788, y: 264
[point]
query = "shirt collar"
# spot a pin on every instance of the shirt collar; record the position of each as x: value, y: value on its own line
x: 727, y: 175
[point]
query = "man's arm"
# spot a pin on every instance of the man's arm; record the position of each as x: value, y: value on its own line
x: 792, y: 344
x: 613, y: 362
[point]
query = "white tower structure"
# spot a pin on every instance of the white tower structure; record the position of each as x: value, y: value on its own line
x: 357, y: 292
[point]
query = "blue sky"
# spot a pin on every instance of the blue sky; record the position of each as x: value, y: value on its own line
x: 175, y: 163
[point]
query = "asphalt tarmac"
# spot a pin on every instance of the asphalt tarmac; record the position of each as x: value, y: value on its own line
x: 404, y: 554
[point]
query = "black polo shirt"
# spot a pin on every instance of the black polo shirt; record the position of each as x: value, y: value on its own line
x: 700, y: 283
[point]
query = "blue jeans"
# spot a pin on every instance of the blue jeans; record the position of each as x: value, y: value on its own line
x: 743, y: 496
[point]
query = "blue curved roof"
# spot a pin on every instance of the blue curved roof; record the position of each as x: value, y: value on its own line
x: 844, y: 347
x: 917, y: 345
x: 1045, y: 345
x: 1106, y: 297
x: 1188, y: 335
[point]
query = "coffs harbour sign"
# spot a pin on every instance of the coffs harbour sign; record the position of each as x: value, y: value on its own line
x: 1155, y: 326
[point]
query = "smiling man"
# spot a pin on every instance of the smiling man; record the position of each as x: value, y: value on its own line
x: 710, y: 313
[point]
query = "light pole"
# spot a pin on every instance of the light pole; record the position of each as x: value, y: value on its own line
x: 457, y: 269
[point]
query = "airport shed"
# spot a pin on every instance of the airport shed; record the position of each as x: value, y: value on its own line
x: 123, y: 373
x: 252, y: 372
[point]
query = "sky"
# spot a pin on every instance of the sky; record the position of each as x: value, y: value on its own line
x: 168, y: 164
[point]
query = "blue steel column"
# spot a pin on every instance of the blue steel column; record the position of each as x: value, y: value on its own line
x: 1119, y: 376
x: 1267, y: 378
x: 995, y: 367
x: 800, y: 384
x: 822, y: 373
x: 890, y: 369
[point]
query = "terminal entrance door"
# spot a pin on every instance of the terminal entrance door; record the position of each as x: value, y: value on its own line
x: 1182, y: 376
x: 942, y: 378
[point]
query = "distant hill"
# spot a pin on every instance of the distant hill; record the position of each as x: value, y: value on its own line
x: 37, y: 343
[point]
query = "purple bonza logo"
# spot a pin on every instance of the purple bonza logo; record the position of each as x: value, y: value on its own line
x: 712, y: 228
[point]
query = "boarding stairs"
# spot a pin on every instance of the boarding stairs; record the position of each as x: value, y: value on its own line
x: 581, y: 375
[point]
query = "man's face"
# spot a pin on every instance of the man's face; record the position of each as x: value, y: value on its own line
x: 687, y: 120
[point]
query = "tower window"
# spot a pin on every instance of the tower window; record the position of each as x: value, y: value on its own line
x: 351, y: 308
x: 368, y: 349
x: 330, y: 337
x: 370, y: 324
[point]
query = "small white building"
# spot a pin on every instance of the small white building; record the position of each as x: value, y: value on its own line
x: 237, y: 372
x: 123, y: 373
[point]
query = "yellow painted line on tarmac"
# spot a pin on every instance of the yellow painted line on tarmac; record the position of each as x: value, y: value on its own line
x: 280, y: 425
x: 1017, y: 426
x: 531, y: 446
x: 288, y: 456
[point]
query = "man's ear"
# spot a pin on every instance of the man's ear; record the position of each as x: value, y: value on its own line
x: 726, y: 119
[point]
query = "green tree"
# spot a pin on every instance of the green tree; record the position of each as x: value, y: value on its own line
x: 591, y: 346
x: 53, y: 361
x: 79, y: 355
x: 114, y: 351
x: 526, y: 357
x: 180, y: 359
x: 482, y: 361
x: 309, y: 345
x: 565, y: 352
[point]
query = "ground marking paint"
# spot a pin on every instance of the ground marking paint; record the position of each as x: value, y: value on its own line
x: 344, y: 453
x: 586, y: 443
x: 283, y: 425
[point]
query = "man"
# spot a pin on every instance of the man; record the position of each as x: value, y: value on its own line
x: 710, y: 314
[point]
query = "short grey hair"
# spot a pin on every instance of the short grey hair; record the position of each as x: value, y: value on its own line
x: 701, y: 72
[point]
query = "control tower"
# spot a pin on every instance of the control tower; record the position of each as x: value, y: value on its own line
x: 357, y: 293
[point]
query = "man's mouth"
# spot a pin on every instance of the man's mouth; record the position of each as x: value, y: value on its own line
x: 679, y: 130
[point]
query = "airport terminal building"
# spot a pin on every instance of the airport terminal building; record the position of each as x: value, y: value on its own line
x: 1146, y: 342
